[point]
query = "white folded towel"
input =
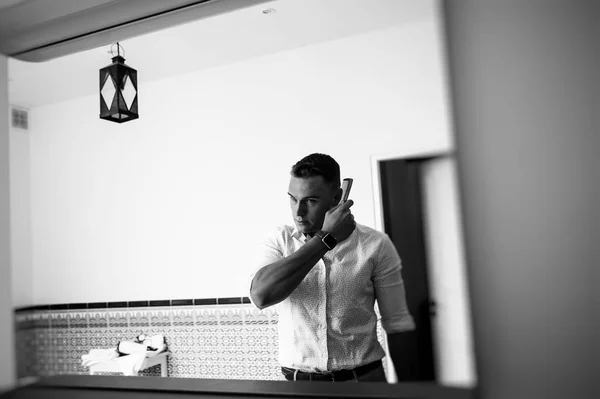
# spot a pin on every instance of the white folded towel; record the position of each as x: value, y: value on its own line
x: 129, y: 347
x: 129, y: 355
x: 98, y: 356
x: 151, y: 346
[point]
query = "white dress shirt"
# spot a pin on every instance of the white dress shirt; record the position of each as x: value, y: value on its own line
x: 328, y: 322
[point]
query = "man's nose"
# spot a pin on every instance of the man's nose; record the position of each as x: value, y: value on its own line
x: 300, y: 209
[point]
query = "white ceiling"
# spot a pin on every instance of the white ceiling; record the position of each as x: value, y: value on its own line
x: 210, y: 42
x: 9, y: 3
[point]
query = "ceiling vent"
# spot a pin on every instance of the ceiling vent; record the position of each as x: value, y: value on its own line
x: 20, y: 119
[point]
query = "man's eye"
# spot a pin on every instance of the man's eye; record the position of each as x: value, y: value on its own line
x: 311, y: 201
x: 293, y: 199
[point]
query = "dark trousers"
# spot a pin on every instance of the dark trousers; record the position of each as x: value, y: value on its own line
x: 372, y: 372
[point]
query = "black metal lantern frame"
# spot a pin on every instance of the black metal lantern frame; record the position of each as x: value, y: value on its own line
x: 118, y: 91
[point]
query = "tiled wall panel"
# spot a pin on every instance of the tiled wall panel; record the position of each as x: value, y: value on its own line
x: 210, y: 341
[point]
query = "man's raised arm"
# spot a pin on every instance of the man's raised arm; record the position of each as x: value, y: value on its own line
x: 276, y: 281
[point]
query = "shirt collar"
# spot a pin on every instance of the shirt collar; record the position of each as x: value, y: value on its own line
x: 298, y: 235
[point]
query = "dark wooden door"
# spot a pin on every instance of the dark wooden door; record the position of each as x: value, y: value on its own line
x: 403, y: 222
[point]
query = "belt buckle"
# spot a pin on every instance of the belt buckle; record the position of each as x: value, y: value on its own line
x: 331, y: 374
x: 325, y: 373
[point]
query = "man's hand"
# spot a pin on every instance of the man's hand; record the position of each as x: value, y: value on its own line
x: 339, y: 221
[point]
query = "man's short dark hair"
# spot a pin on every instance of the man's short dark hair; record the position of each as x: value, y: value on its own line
x: 318, y: 165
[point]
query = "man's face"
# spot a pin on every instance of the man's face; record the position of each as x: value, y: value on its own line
x: 310, y: 199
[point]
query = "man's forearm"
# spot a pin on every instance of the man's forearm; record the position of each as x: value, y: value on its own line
x: 275, y: 282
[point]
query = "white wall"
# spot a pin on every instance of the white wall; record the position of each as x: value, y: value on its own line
x: 7, y: 365
x: 172, y: 205
x: 20, y: 218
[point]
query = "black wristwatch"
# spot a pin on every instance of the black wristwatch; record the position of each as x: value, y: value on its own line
x: 327, y: 239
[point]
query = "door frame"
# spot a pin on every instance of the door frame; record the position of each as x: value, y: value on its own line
x: 376, y: 175
x: 378, y: 210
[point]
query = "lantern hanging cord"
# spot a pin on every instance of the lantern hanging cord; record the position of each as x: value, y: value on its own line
x: 119, y: 47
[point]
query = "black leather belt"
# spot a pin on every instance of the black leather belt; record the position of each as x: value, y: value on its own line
x: 340, y: 375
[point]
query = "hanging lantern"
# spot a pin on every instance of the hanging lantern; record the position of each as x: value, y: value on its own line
x: 118, y: 91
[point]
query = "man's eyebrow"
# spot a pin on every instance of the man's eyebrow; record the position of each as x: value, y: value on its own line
x: 309, y: 197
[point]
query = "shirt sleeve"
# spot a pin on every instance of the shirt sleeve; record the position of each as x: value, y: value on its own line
x: 389, y: 290
x: 267, y: 252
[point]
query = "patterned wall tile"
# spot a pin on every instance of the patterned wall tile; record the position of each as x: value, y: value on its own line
x: 212, y: 341
x: 117, y: 320
x: 98, y: 338
x: 40, y: 341
x: 139, y: 320
x: 25, y: 357
x: 41, y: 320
x: 183, y: 317
x: 78, y: 320
x: 160, y: 318
x: 98, y: 320
x: 60, y: 320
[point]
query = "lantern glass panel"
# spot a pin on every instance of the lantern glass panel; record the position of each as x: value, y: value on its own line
x: 129, y: 92
x: 108, y: 91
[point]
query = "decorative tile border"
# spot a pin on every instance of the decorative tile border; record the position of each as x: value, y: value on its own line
x: 137, y: 304
x: 226, y: 338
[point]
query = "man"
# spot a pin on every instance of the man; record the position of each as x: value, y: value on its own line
x: 325, y: 275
